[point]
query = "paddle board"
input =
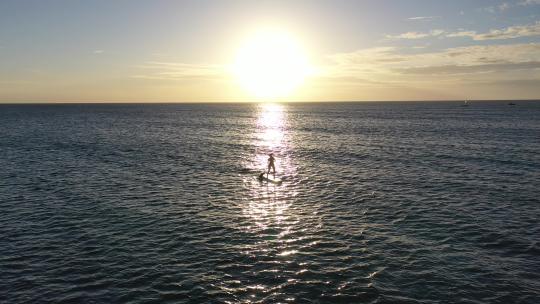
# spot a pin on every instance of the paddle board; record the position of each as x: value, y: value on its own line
x: 274, y: 180
x: 271, y: 179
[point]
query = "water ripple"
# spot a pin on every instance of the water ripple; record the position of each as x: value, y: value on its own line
x: 380, y: 203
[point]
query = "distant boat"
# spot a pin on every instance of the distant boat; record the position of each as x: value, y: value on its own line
x: 465, y: 103
x: 511, y: 104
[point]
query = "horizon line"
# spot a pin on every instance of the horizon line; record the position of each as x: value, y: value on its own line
x: 249, y: 102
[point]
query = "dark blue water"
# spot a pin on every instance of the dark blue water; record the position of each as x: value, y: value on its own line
x: 380, y: 203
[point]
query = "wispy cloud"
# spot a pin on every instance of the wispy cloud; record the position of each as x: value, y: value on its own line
x: 391, y: 64
x: 455, y: 69
x: 506, y: 5
x: 529, y: 2
x: 98, y: 51
x: 489, y: 9
x: 498, y: 8
x: 515, y: 31
x: 416, y: 35
x: 423, y: 18
x: 462, y: 34
x: 179, y: 71
x: 506, y: 33
x: 408, y: 35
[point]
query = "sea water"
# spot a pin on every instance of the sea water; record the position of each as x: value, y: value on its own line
x: 427, y: 202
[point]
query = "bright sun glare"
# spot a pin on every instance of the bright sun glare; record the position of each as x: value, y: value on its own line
x: 271, y: 65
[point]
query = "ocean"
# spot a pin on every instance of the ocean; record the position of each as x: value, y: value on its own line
x: 411, y: 202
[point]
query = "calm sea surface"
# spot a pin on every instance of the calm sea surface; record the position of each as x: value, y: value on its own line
x: 380, y: 203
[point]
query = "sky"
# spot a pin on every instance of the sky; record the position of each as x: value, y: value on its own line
x: 182, y: 51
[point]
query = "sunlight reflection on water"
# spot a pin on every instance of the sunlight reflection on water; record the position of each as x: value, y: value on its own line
x: 270, y: 132
x: 268, y: 205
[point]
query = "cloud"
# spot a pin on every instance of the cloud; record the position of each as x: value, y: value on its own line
x: 395, y: 73
x: 504, y: 6
x: 389, y: 64
x: 175, y: 71
x: 98, y: 51
x: 506, y: 33
x: 424, y: 18
x: 408, y: 35
x: 470, y: 69
x: 529, y: 2
x: 462, y: 34
x: 501, y: 7
x: 511, y: 32
x: 490, y: 9
x: 416, y: 35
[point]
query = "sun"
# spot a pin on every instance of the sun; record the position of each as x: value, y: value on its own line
x: 271, y: 64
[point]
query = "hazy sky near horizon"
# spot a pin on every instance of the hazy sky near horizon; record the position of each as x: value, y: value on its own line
x: 168, y: 51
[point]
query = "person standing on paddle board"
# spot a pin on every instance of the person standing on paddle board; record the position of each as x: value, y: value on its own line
x: 271, y: 160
